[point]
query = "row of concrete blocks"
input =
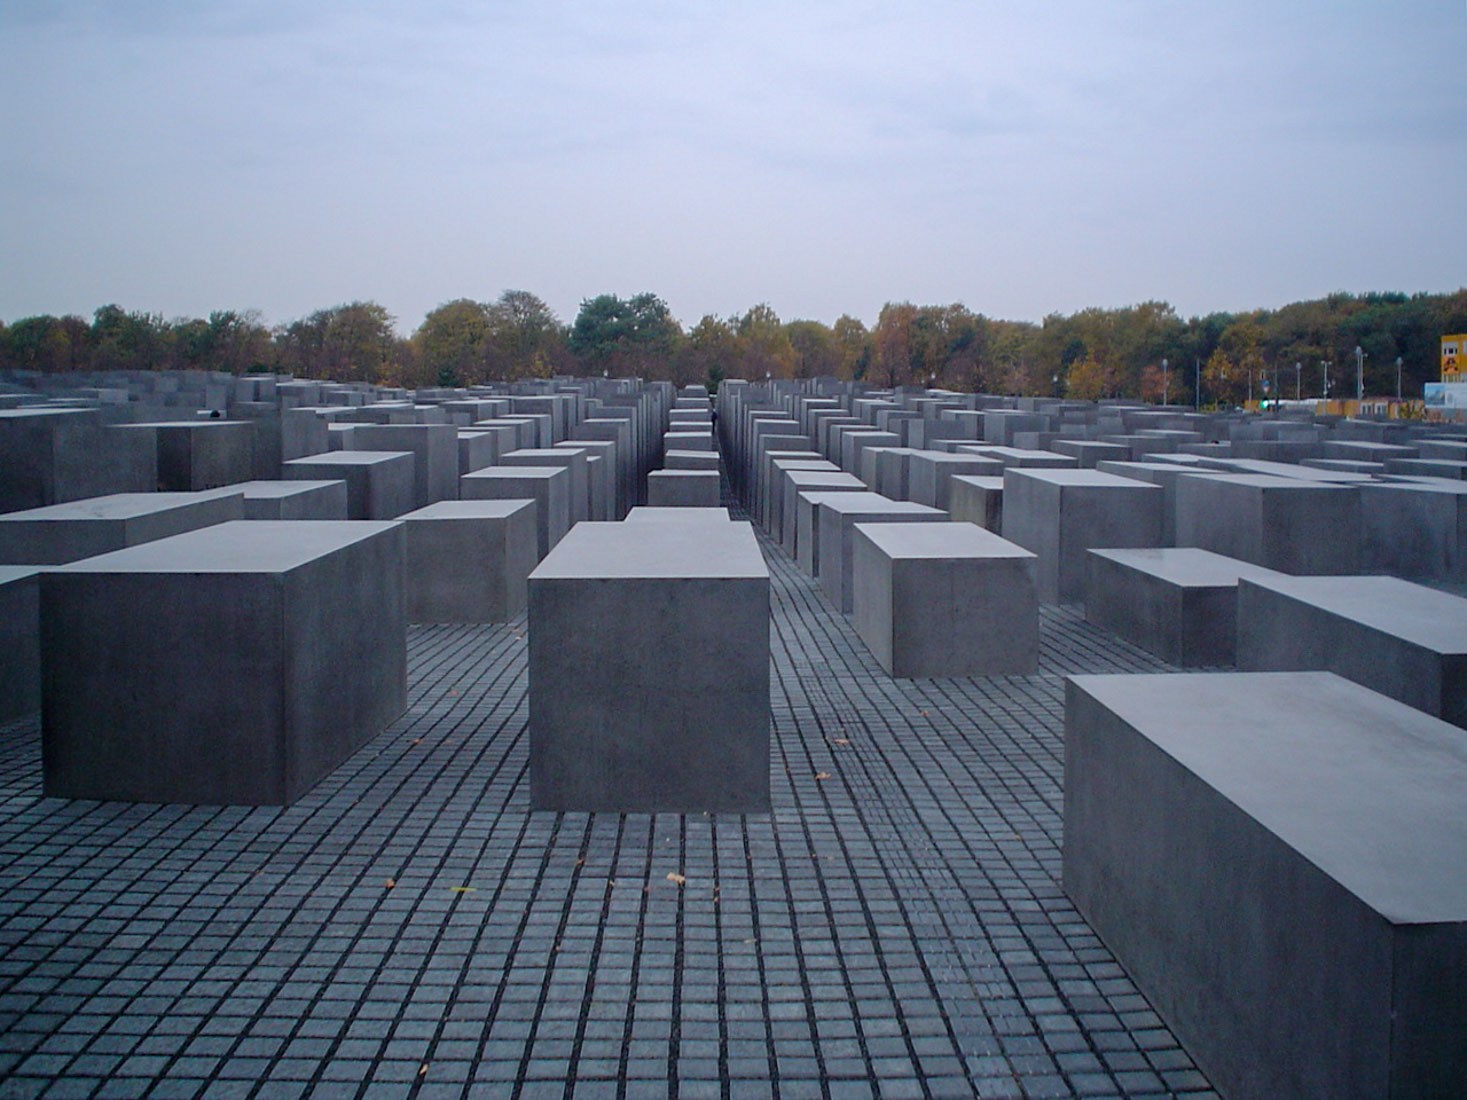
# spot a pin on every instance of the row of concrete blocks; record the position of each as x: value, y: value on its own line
x: 1194, y: 608
x: 1298, y: 945
x: 52, y: 454
x: 1291, y: 518
x: 924, y: 418
x: 929, y: 598
x: 463, y: 561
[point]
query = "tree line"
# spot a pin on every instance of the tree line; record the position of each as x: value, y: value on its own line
x: 1143, y: 351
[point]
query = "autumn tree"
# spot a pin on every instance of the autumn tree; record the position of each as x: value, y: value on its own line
x: 707, y: 354
x: 52, y: 345
x: 852, y: 345
x: 351, y: 342
x: 526, y: 339
x: 764, y: 346
x: 452, y: 343
x: 892, y: 340
x: 1090, y: 380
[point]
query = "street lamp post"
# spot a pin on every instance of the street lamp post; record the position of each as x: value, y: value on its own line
x: 1164, y: 380
x: 1298, y: 380
x: 1197, y: 382
x: 1398, y: 378
x: 1359, y: 374
x: 1324, y: 385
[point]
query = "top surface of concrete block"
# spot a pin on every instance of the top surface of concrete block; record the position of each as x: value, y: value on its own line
x: 674, y: 514
x: 1290, y: 471
x: 201, y: 424
x: 942, y: 541
x: 680, y: 550
x: 469, y: 509
x: 1366, y: 788
x: 1274, y: 483
x: 119, y: 506
x: 860, y: 503
x: 518, y: 473
x: 1189, y: 567
x: 267, y: 490
x: 13, y: 574
x: 1412, y: 612
x: 1082, y: 478
x: 349, y: 458
x: 239, y: 546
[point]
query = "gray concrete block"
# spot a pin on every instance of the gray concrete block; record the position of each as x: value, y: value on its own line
x: 1429, y: 467
x: 1018, y: 458
x: 838, y: 515
x: 379, y: 484
x: 1294, y: 526
x: 236, y: 664
x: 944, y: 599
x: 929, y: 474
x: 293, y: 499
x: 976, y: 499
x: 434, y: 448
x: 648, y: 514
x: 797, y: 481
x: 548, y: 486
x: 649, y: 670
x: 469, y: 561
x: 1415, y: 530
x: 1276, y: 860
x: 683, y: 489
x: 200, y: 454
x: 51, y: 456
x: 574, y: 459
x: 682, y: 440
x: 477, y: 449
x: 84, y: 528
x: 1060, y: 514
x: 601, y: 470
x: 1089, y: 453
x: 20, y: 642
x: 1180, y: 604
x: 1401, y: 639
x: 690, y: 460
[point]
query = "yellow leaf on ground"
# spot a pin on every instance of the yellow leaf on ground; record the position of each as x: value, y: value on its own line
x: 674, y: 877
x: 821, y: 775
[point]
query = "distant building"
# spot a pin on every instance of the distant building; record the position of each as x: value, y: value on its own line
x: 1448, y: 398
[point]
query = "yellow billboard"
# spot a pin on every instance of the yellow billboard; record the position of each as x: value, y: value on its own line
x: 1454, y: 358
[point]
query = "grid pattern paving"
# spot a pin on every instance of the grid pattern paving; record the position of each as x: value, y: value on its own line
x: 895, y: 928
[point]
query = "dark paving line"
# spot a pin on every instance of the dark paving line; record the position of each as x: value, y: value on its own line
x: 895, y: 929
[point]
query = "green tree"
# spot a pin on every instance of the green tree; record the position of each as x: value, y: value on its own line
x: 129, y: 341
x: 814, y: 349
x: 620, y: 338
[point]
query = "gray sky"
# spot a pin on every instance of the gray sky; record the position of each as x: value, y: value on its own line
x: 179, y: 156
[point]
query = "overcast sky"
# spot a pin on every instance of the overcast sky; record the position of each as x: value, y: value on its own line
x: 181, y: 156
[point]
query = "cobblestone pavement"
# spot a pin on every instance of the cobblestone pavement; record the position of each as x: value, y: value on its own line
x: 895, y: 928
